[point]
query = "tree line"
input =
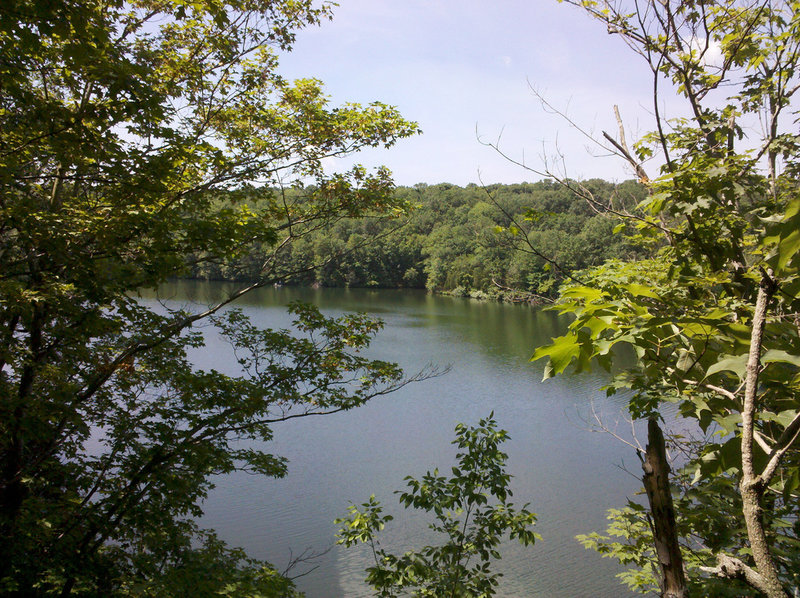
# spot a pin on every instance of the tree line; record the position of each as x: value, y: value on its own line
x: 514, y: 242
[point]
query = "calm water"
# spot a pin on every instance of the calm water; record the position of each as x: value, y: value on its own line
x: 569, y: 474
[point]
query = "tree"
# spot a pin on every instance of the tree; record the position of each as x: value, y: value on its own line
x: 122, y: 124
x: 471, y: 511
x: 712, y: 315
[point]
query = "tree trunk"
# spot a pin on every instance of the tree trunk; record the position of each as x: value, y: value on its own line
x: 665, y: 532
x: 752, y: 485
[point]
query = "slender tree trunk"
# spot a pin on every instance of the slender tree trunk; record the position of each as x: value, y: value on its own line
x: 752, y: 485
x: 665, y: 531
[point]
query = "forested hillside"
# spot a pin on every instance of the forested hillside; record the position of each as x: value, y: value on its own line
x: 504, y: 241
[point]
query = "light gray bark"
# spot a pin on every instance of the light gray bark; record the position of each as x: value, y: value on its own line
x: 753, y: 485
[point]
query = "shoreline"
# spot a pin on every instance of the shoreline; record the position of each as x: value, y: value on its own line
x: 500, y: 295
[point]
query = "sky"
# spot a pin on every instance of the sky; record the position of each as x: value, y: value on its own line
x: 465, y: 70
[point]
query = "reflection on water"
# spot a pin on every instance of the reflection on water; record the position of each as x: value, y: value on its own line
x: 568, y: 474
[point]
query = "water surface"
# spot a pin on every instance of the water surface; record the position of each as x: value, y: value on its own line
x: 569, y: 474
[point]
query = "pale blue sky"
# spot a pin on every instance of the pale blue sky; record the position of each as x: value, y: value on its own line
x: 460, y: 65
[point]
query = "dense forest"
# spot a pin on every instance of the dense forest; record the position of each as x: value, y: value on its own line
x: 512, y: 242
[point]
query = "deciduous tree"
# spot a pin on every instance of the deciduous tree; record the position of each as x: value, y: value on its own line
x: 472, y: 513
x: 713, y: 315
x: 121, y: 124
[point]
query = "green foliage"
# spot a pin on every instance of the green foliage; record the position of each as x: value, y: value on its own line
x: 136, y: 137
x: 471, y: 511
x: 723, y: 220
x: 629, y: 540
x: 455, y: 240
x: 213, y: 569
x: 164, y: 428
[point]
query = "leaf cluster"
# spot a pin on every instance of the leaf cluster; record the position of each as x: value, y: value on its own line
x: 711, y: 316
x: 471, y: 512
x: 135, y: 138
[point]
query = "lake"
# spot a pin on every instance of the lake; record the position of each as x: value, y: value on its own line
x: 569, y: 474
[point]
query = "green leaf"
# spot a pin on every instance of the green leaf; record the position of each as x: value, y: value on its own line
x: 788, y: 247
x: 731, y: 363
x: 685, y: 360
x: 588, y: 294
x: 597, y: 324
x: 639, y: 290
x: 779, y: 356
x: 560, y: 353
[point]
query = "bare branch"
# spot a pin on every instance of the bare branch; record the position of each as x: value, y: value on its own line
x: 622, y: 148
x: 790, y: 435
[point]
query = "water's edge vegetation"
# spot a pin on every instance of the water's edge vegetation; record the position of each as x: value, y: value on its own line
x: 507, y: 242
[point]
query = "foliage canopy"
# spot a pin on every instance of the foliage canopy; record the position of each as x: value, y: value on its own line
x: 121, y: 123
x: 713, y: 314
x: 476, y: 241
x: 472, y: 512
